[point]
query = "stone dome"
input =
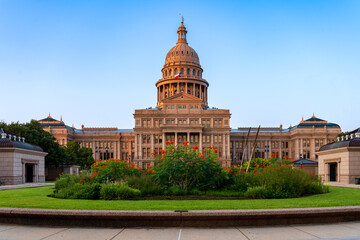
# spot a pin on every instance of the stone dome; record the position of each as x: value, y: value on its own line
x: 182, y: 52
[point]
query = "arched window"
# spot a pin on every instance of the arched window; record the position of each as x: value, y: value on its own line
x: 193, y: 72
x: 170, y: 72
x: 175, y: 71
x: 182, y: 71
x: 192, y: 54
x: 198, y: 74
x: 177, y: 52
x: 165, y: 73
x: 188, y: 71
x: 182, y: 52
x: 187, y: 52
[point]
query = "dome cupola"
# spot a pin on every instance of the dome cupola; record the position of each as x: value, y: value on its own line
x: 182, y: 72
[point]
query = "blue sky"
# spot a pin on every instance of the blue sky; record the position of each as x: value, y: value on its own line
x: 94, y: 62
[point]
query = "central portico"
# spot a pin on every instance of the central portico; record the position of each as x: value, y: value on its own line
x: 182, y: 109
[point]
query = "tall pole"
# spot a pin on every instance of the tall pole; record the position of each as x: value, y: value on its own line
x: 253, y: 149
x: 246, y: 142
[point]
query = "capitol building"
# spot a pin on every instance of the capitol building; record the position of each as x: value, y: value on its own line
x: 182, y: 112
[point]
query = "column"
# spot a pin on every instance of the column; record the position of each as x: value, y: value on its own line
x: 163, y: 141
x: 188, y: 137
x: 140, y: 142
x: 280, y: 151
x: 176, y: 136
x: 193, y: 92
x: 200, y: 142
x: 223, y: 146
x: 93, y: 149
x: 270, y: 147
x: 290, y: 149
x: 234, y: 150
x: 297, y: 149
x: 152, y: 142
x: 228, y: 146
x: 301, y: 147
x: 119, y: 148
x: 212, y: 139
x: 136, y: 147
x: 312, y: 149
x: 23, y: 172
x: 186, y: 88
x: 115, y: 149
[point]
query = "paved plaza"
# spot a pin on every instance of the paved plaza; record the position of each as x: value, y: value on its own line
x: 347, y: 230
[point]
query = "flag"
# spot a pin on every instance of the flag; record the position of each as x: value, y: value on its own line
x: 177, y: 76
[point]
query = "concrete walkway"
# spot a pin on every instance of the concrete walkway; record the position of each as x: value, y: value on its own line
x: 25, y: 185
x: 347, y: 230
x: 344, y: 185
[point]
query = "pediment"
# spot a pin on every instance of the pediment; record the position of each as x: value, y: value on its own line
x: 182, y: 97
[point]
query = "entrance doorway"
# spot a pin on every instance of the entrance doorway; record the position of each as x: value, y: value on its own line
x: 333, y: 170
x: 29, y: 173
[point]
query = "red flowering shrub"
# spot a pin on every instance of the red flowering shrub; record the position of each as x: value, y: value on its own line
x: 111, y: 170
x: 185, y: 167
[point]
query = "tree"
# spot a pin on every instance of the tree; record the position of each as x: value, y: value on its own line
x: 77, y: 155
x: 34, y: 134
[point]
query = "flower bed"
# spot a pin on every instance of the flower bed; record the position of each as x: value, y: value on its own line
x: 180, y: 170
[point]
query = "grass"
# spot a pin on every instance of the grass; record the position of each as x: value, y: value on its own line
x: 37, y: 198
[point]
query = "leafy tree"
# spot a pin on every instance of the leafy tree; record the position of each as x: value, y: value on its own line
x: 77, y: 155
x: 34, y: 134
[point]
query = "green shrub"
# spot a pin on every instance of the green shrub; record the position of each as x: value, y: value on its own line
x: 79, y: 191
x: 112, y: 170
x: 176, y: 191
x: 145, y: 184
x: 283, y: 181
x: 66, y: 180
x: 187, y: 168
x: 118, y: 191
x: 256, y: 192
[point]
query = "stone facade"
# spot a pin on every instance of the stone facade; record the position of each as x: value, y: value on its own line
x: 182, y: 112
x: 340, y: 161
x: 21, y: 162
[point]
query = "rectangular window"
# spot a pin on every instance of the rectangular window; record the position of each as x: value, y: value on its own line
x: 220, y: 139
x: 215, y: 138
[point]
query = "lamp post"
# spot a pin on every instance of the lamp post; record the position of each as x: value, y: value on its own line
x: 257, y: 151
x: 129, y: 159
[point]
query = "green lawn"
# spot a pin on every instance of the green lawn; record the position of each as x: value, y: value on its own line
x: 37, y: 198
